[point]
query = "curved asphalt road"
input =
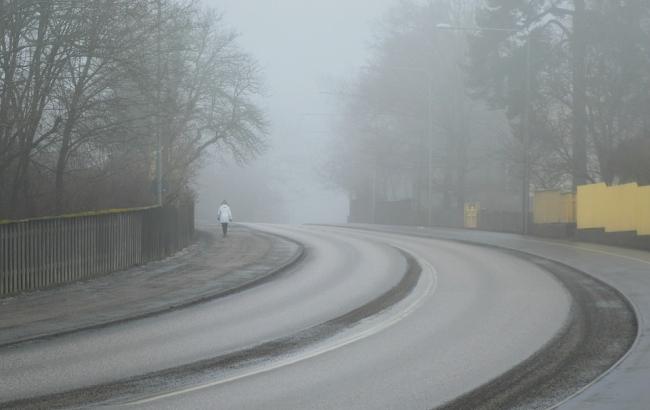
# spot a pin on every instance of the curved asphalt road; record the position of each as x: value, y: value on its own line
x: 474, y: 314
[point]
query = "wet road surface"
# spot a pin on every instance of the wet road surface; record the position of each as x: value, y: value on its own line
x: 329, y: 333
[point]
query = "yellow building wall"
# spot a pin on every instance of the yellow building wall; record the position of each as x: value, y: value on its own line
x: 643, y: 210
x: 471, y: 215
x: 621, y: 213
x: 620, y: 208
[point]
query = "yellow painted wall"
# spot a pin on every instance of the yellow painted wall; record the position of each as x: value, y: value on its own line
x: 471, y: 215
x: 619, y: 208
x: 643, y: 210
x: 591, y: 208
x: 553, y: 207
x: 621, y: 213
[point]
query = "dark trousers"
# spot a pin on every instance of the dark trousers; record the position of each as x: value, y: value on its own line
x: 224, y: 228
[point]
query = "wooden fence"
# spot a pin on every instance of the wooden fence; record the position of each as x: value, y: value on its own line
x: 45, y: 252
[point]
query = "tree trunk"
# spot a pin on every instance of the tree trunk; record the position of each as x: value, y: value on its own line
x: 73, y: 115
x: 16, y: 209
x: 64, y: 152
x: 59, y: 188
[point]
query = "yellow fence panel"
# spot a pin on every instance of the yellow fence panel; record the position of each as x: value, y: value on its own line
x: 643, y: 210
x: 591, y: 209
x: 621, y: 202
x: 471, y: 215
x: 619, y: 208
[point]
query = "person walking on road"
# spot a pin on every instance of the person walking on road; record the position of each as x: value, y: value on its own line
x: 225, y: 217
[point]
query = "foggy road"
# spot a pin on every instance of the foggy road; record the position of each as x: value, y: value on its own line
x: 438, y: 204
x: 451, y: 338
x: 473, y: 314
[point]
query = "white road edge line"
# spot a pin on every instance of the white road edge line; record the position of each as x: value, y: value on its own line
x: 427, y: 285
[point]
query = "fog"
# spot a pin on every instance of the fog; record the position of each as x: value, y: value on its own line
x: 391, y: 111
x: 368, y: 150
x: 305, y: 49
x: 452, y: 104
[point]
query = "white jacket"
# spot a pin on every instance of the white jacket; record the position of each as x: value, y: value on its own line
x: 224, y: 214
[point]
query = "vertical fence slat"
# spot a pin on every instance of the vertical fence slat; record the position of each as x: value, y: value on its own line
x: 21, y: 258
x: 102, y: 245
x: 67, y: 238
x: 64, y: 250
x: 41, y: 254
x: 18, y: 250
x: 72, y: 235
x: 51, y: 272
x: 4, y: 259
x: 4, y: 263
x: 12, y: 261
x: 94, y: 258
x: 78, y: 249
x: 33, y: 258
x: 59, y: 255
x: 45, y: 243
x: 86, y: 246
x: 29, y: 274
x: 115, y: 225
x: 36, y: 261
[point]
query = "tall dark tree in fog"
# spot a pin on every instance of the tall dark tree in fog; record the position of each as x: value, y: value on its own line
x: 589, y: 79
x: 389, y: 115
x: 88, y: 87
x: 410, y: 124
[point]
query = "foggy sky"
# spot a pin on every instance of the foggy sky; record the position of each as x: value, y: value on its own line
x: 305, y: 48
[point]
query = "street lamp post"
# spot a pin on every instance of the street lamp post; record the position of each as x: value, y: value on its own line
x: 525, y: 202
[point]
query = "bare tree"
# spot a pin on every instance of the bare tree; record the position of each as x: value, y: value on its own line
x: 84, y: 87
x: 409, y: 123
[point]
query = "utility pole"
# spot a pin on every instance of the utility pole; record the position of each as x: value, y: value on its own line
x: 430, y: 151
x: 373, y: 219
x: 525, y: 206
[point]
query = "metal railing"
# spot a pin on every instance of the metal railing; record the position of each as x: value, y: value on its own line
x: 45, y: 252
